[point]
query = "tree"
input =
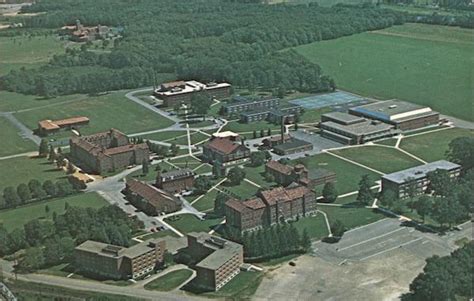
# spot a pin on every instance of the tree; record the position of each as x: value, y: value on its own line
x: 330, y: 192
x: 424, y: 206
x: 236, y: 175
x: 32, y: 260
x: 46, y: 210
x: 219, y: 203
x: 364, y: 195
x: 23, y: 192
x: 50, y: 188
x: 43, y: 148
x: 262, y: 133
x: 337, y: 228
x: 269, y: 132
x: 216, y: 169
x: 305, y: 240
x: 52, y: 154
x: 70, y: 168
x: 202, y: 184
x: 145, y: 167
x: 440, y: 182
x: 387, y: 198
x: 201, y: 103
x: 11, y: 197
x: 174, y: 149
x: 254, y: 134
x: 461, y: 151
x: 257, y: 158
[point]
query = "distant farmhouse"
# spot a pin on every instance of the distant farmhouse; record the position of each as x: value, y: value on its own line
x: 107, y: 152
x: 400, y: 182
x: 81, y: 33
x: 216, y: 260
x: 177, y: 92
x: 176, y: 180
x: 269, y: 207
x: 48, y: 127
x: 226, y: 152
x: 287, y: 174
x: 116, y: 262
x: 151, y: 200
x: 269, y: 109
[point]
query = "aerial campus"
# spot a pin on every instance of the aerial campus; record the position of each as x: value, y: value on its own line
x: 240, y: 150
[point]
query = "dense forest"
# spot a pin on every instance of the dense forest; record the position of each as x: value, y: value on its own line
x: 205, y: 40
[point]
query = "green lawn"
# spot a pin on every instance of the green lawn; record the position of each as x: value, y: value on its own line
x: 11, y: 141
x: 186, y: 161
x: 159, y: 234
x: 165, y: 136
x: 245, y: 190
x: 351, y: 217
x: 384, y: 159
x: 348, y: 174
x: 388, y: 142
x: 28, y: 52
x: 433, y: 146
x: 108, y: 111
x: 186, y: 223
x: 16, y: 218
x: 169, y: 281
x: 203, y: 169
x: 206, y: 202
x: 256, y: 175
x: 15, y: 101
x: 23, y: 169
x: 238, y: 127
x: 315, y: 225
x: 425, y: 64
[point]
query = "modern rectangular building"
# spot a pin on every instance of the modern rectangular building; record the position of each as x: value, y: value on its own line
x: 151, y: 200
x: 286, y: 114
x: 269, y: 207
x: 107, y: 152
x: 176, y: 180
x: 399, y: 182
x: 116, y: 262
x: 177, y: 92
x: 403, y: 115
x: 292, y: 146
x: 356, y: 132
x: 217, y: 260
x: 242, y: 104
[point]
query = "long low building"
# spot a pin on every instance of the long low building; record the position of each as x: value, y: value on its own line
x: 403, y: 115
x: 116, y: 262
x: 47, y: 127
x: 357, y: 133
x: 399, y: 182
x: 217, y: 260
x: 292, y: 146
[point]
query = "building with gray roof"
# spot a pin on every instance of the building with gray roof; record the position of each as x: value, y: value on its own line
x: 400, y: 181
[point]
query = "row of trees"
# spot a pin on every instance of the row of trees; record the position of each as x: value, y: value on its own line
x: 52, y: 241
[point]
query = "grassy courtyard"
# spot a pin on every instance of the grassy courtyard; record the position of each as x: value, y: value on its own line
x: 433, y: 146
x: 396, y: 62
x: 383, y: 159
x: 315, y: 225
x: 206, y: 202
x: 16, y: 218
x: 351, y: 217
x: 12, y: 143
x: 169, y: 281
x: 186, y: 223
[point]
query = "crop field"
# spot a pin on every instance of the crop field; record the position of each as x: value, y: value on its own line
x: 11, y: 142
x: 433, y: 146
x: 425, y: 64
x: 383, y: 159
x: 28, y: 52
x: 105, y: 112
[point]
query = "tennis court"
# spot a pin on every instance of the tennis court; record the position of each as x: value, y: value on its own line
x: 326, y: 100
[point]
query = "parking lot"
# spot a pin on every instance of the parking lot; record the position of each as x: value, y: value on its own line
x: 374, y: 262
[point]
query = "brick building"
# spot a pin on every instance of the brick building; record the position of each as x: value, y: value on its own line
x: 47, y: 127
x: 217, y: 260
x: 116, y: 262
x: 287, y: 174
x: 177, y: 92
x: 106, y: 152
x: 149, y: 199
x: 176, y: 180
x: 269, y: 207
x: 399, y: 182
x: 225, y: 153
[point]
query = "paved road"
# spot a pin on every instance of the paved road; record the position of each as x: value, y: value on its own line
x: 132, y: 97
x: 28, y: 154
x: 25, y: 132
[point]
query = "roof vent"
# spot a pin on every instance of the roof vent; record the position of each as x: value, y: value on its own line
x: 392, y: 106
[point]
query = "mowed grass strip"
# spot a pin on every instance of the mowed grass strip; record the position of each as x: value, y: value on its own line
x: 315, y: 225
x: 409, y: 62
x: 16, y: 218
x: 19, y: 170
x: 169, y: 281
x: 433, y: 146
x: 186, y: 223
x: 206, y: 203
x: 113, y: 110
x: 347, y: 174
x: 383, y: 159
x: 352, y: 217
x: 11, y: 142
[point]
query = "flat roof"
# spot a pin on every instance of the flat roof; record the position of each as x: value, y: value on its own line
x: 420, y: 172
x: 343, y: 117
x: 361, y: 128
x: 223, y: 250
x: 294, y: 143
x: 391, y: 110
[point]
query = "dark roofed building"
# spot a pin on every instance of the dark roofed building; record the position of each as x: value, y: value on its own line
x: 149, y: 199
x: 292, y: 146
x: 287, y: 174
x: 176, y: 180
x: 225, y: 153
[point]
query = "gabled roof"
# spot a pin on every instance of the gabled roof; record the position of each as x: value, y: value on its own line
x: 176, y: 174
x: 278, y: 167
x: 224, y: 145
x: 153, y: 195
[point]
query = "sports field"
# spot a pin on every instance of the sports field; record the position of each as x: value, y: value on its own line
x: 425, y: 64
x: 105, y: 112
x: 433, y: 146
x: 11, y: 142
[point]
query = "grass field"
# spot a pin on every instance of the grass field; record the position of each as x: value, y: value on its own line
x: 28, y: 52
x: 169, y: 281
x: 11, y: 142
x: 108, y: 111
x: 245, y: 190
x: 348, y: 174
x: 206, y: 202
x: 351, y: 217
x: 186, y: 223
x: 315, y: 225
x: 15, y: 101
x: 256, y: 175
x: 425, y: 64
x: 384, y: 159
x: 433, y: 146
x: 16, y: 218
x: 23, y: 169
x: 165, y: 136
